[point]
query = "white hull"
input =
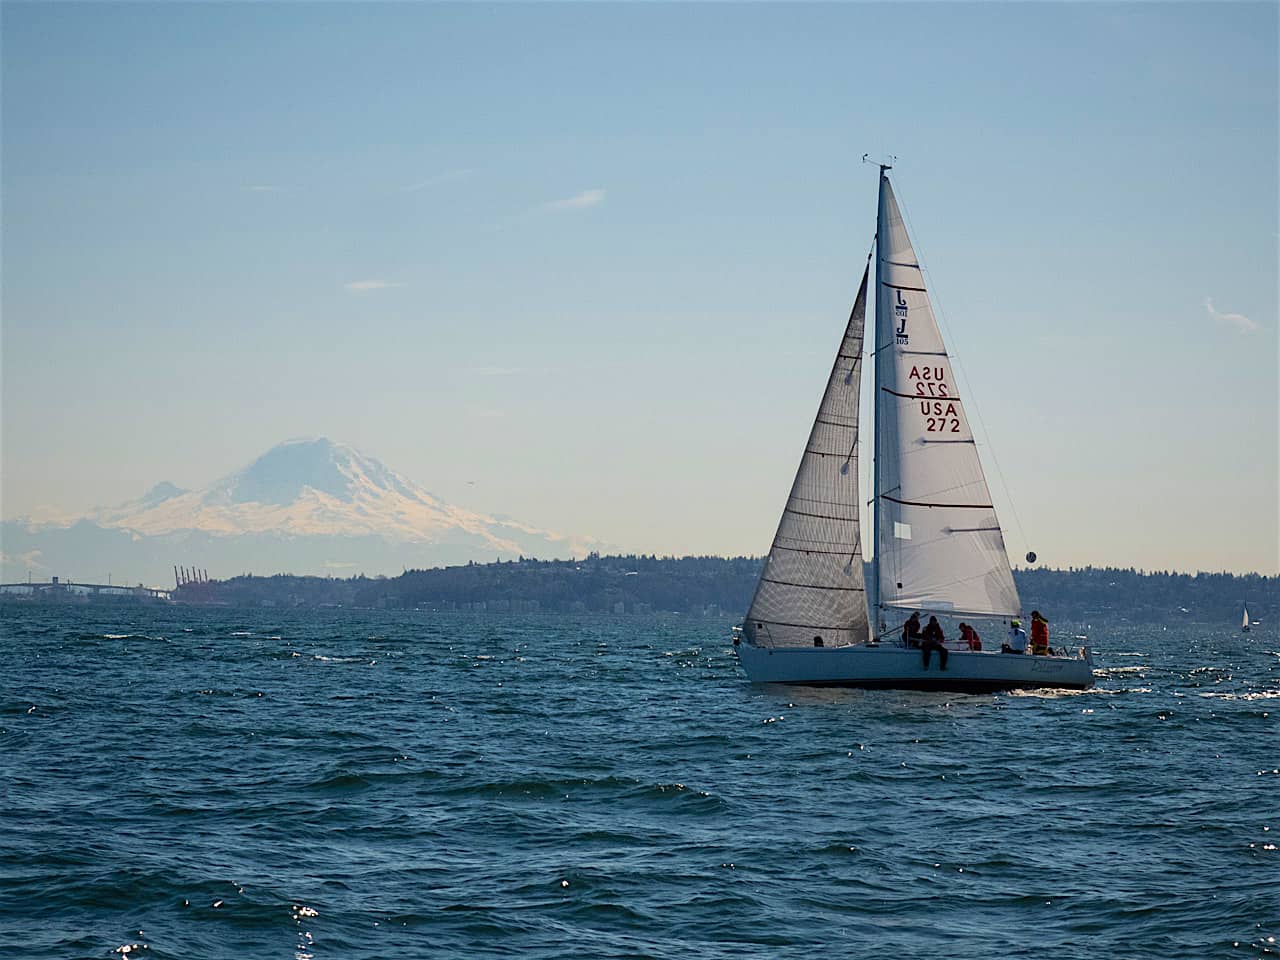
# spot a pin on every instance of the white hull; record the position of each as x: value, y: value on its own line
x: 900, y: 668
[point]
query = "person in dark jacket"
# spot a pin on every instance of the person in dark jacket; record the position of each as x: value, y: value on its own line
x: 911, y: 632
x: 933, y: 641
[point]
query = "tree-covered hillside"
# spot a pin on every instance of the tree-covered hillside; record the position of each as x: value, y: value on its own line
x: 718, y: 585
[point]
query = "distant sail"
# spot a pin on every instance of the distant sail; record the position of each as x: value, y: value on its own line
x: 812, y: 585
x: 939, y: 545
x: 1245, y: 625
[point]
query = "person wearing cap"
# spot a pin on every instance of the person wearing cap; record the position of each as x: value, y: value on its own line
x: 1017, y: 642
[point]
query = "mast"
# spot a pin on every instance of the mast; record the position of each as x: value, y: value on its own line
x: 877, y: 341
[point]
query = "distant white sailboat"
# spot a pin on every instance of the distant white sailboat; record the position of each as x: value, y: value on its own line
x: 1245, y: 625
x: 938, y: 544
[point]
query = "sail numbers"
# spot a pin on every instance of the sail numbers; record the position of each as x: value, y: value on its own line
x: 929, y: 381
x: 941, y: 415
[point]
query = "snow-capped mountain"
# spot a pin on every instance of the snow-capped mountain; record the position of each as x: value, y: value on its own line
x: 304, y: 506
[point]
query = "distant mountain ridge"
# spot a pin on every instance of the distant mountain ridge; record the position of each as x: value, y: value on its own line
x: 313, y: 505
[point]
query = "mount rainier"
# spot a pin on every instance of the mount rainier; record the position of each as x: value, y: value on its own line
x: 308, y: 506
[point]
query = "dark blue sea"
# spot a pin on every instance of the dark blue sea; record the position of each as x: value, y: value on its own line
x: 190, y: 782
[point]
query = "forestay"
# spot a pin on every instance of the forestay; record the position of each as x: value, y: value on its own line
x: 812, y: 584
x: 939, y: 545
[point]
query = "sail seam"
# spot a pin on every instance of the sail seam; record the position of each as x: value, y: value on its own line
x: 898, y: 286
x: 913, y: 603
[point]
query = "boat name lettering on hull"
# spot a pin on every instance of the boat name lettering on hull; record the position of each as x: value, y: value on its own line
x: 1046, y: 666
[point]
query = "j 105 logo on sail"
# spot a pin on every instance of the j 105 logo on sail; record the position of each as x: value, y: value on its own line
x: 900, y: 311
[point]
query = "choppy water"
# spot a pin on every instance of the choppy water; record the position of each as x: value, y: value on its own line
x: 213, y: 783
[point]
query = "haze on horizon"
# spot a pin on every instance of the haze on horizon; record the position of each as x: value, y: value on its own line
x: 587, y: 265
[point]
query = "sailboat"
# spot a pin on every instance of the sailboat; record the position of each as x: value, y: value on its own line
x: 1245, y: 626
x: 815, y: 617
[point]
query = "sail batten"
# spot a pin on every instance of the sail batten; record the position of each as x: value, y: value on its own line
x: 811, y: 588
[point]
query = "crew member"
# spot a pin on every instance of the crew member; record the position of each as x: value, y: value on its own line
x: 933, y: 638
x: 969, y: 637
x: 1017, y: 642
x: 911, y: 632
x: 1039, y: 634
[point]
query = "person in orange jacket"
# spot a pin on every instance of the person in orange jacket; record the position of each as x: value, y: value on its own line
x: 969, y: 637
x: 1039, y: 634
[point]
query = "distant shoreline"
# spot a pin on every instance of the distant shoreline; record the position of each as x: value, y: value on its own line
x: 698, y: 586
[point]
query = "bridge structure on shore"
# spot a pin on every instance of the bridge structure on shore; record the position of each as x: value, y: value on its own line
x: 58, y: 589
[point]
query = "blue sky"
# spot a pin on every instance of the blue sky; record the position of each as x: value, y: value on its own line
x: 587, y: 265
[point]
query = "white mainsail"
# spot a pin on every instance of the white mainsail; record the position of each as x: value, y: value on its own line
x: 938, y: 543
x: 1245, y: 625
x: 811, y: 585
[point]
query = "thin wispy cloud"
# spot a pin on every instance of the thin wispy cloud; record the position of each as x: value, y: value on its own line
x: 581, y: 201
x: 1237, y: 321
x: 364, y: 286
x: 449, y: 176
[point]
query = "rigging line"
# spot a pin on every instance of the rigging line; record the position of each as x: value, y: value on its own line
x: 959, y: 368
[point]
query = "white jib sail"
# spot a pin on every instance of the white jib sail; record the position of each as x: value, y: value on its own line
x: 939, y: 545
x: 811, y: 585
